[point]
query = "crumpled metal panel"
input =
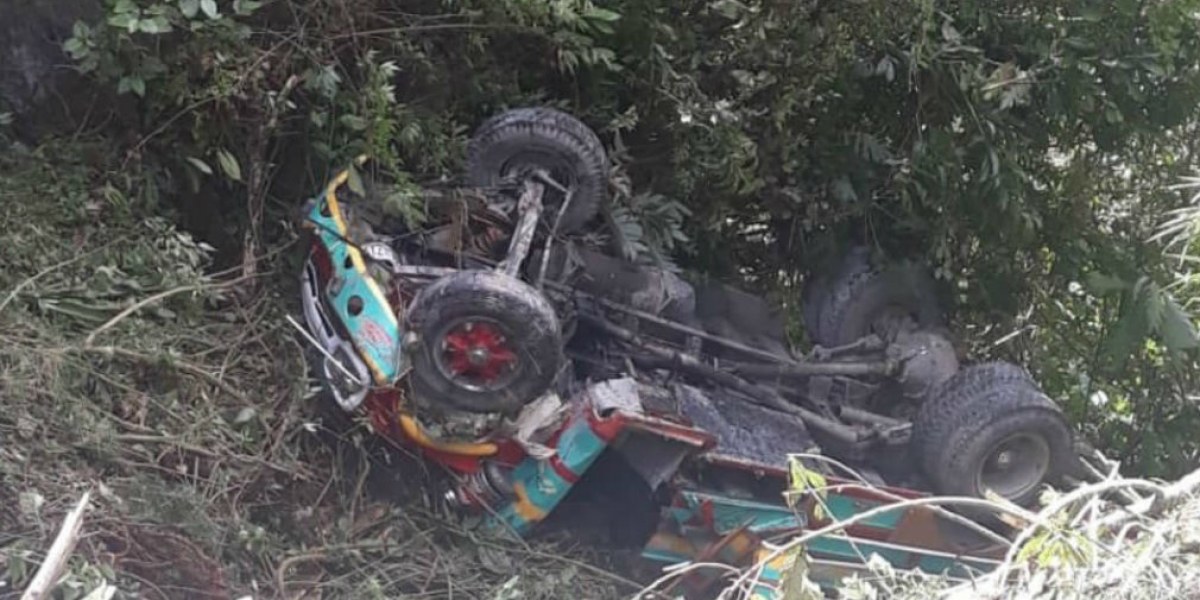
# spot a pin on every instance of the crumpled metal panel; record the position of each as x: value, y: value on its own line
x: 744, y: 430
x: 616, y: 394
x: 655, y: 458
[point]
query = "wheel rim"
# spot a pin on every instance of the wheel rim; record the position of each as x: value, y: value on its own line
x: 476, y: 353
x: 1014, y: 466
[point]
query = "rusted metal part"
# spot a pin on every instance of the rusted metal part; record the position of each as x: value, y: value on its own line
x: 757, y: 394
x: 678, y: 327
x: 872, y: 368
x: 871, y: 343
x: 744, y: 464
x: 696, y: 337
x: 424, y: 271
x: 568, y: 196
x: 892, y: 431
x: 928, y: 360
x: 696, y: 438
x: 736, y: 548
x: 486, y: 488
x: 530, y: 208
x: 921, y: 527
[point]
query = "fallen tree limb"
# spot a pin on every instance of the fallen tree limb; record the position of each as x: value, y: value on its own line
x: 184, y: 366
x: 56, y: 558
x: 799, y: 541
x: 155, y: 298
x: 1170, y: 497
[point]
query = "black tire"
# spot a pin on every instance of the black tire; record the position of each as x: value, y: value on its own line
x: 857, y: 302
x: 1010, y: 419
x: 513, y: 315
x: 546, y: 138
x: 967, y: 384
x: 814, y: 294
x: 819, y: 294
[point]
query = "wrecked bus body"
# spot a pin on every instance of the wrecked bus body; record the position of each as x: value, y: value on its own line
x: 510, y: 341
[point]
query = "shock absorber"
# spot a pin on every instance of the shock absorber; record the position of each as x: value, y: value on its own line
x: 489, y: 487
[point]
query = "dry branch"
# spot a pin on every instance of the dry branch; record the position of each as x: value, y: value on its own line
x: 1171, y: 497
x: 56, y: 559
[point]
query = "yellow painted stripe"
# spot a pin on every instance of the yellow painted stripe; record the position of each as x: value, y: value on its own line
x: 674, y: 543
x: 525, y: 509
x: 380, y: 377
x: 740, y: 543
x: 359, y: 265
x: 355, y: 256
x: 414, y: 432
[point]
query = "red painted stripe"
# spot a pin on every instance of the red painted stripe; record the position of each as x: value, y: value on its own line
x: 708, y: 513
x: 557, y: 464
x: 608, y: 428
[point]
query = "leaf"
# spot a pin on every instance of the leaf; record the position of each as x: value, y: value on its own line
x: 601, y: 14
x: 155, y: 26
x: 802, y: 481
x: 229, y: 164
x: 1154, y: 305
x: 796, y: 583
x: 950, y: 34
x: 354, y: 180
x: 1092, y: 14
x: 887, y: 68
x: 103, y: 592
x: 132, y: 84
x: 210, y: 8
x: 843, y: 191
x: 1177, y: 329
x: 1100, y: 284
x: 509, y: 591
x: 30, y: 502
x: 246, y: 7
x: 353, y: 122
x: 1129, y: 330
x: 124, y: 21
x: 189, y: 8
x: 76, y: 48
x: 200, y: 165
x: 494, y: 560
x: 244, y: 415
x: 730, y: 9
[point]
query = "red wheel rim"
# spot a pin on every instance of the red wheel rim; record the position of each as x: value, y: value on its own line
x: 477, y: 353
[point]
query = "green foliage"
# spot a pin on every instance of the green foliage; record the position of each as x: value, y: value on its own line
x: 796, y: 584
x: 190, y: 420
x: 1015, y: 148
x: 804, y: 482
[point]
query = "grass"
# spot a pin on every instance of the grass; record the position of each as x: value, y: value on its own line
x: 215, y: 472
x: 178, y: 397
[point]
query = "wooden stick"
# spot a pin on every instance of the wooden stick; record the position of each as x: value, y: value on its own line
x: 56, y: 559
x: 1172, y: 496
x: 155, y: 298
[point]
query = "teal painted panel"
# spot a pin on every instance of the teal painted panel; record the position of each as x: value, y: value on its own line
x: 375, y: 331
x: 732, y: 513
x: 843, y: 507
x: 842, y: 548
x: 578, y: 447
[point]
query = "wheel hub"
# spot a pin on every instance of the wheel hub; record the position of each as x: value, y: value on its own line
x: 1015, y: 465
x: 477, y: 354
